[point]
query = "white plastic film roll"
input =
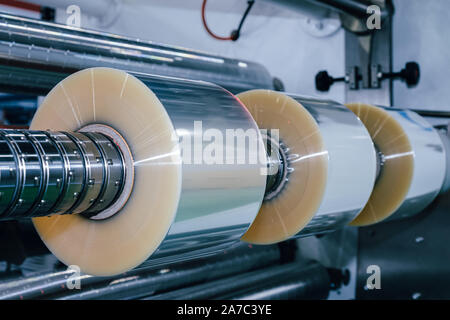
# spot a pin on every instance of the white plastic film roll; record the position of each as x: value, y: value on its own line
x: 352, y: 165
x: 395, y: 177
x: 429, y: 162
x: 412, y: 163
x: 206, y: 206
x: 331, y: 162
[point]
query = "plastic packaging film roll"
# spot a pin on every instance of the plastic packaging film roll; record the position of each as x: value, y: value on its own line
x: 331, y: 165
x: 429, y: 162
x: 352, y: 165
x: 411, y: 164
x: 195, y: 207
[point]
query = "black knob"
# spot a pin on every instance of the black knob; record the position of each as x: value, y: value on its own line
x: 324, y: 81
x: 278, y: 84
x: 411, y: 74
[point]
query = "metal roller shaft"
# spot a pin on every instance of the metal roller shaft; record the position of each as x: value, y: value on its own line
x: 45, y: 173
x: 35, y: 55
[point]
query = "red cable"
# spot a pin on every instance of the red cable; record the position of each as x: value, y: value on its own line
x: 21, y: 5
x: 212, y: 34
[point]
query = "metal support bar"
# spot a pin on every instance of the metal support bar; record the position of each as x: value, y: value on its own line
x: 365, y: 57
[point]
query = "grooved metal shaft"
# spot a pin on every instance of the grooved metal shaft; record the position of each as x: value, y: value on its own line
x: 44, y: 173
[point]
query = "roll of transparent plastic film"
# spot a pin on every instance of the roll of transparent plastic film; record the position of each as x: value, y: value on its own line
x: 411, y: 163
x: 330, y: 166
x: 182, y: 192
x: 395, y: 176
x: 429, y: 168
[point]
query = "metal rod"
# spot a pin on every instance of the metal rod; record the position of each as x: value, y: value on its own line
x: 354, y: 8
x: 312, y: 283
x: 313, y: 8
x: 264, y: 278
x: 36, y: 55
x: 144, y: 280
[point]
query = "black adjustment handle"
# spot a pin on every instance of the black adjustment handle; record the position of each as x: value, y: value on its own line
x: 410, y: 74
x: 324, y: 81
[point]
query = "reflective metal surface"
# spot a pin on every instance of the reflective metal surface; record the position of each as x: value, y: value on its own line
x: 113, y: 173
x: 353, y: 13
x: 223, y: 189
x: 93, y: 169
x: 119, y: 172
x: 148, y: 279
x: 35, y: 55
x: 29, y: 183
x: 72, y: 171
x: 55, y: 172
x: 8, y: 173
x: 312, y: 283
x: 277, y: 164
x: 354, y: 8
x: 52, y: 165
x: 351, y: 166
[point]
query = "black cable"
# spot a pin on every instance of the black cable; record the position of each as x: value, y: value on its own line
x: 235, y: 34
